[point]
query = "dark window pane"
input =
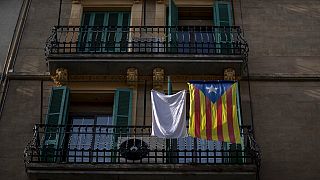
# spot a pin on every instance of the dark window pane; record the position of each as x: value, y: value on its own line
x: 111, y: 35
x: 124, y: 34
x: 86, y: 19
x: 113, y: 19
x: 99, y: 19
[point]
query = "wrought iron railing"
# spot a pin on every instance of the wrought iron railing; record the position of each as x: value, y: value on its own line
x: 132, y: 144
x: 208, y: 40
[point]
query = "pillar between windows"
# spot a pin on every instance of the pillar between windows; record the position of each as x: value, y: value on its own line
x: 132, y: 82
x: 136, y: 13
x: 76, y: 13
x: 160, y: 16
x: 158, y: 79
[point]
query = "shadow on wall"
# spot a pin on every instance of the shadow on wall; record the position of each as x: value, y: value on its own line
x: 307, y: 10
x: 313, y: 93
x: 308, y: 67
x: 25, y: 91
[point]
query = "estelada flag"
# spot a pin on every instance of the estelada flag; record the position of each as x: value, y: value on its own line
x: 214, y: 111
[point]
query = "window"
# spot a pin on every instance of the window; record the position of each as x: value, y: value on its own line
x: 89, y: 138
x: 197, y: 34
x: 104, y: 31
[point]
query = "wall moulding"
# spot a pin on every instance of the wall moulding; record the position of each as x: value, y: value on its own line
x: 161, y: 1
x: 229, y: 74
x: 98, y: 78
x: 193, y: 3
x: 132, y: 77
x: 108, y: 3
x: 76, y: 1
x: 61, y: 77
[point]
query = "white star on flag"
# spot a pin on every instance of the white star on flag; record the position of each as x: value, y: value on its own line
x: 212, y: 89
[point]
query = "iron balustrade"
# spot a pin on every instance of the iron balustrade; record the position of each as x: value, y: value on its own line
x: 133, y: 144
x: 208, y: 40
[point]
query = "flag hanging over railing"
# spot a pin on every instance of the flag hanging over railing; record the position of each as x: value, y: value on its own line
x: 214, y: 111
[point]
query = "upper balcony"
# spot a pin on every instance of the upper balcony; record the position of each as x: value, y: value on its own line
x: 75, y: 48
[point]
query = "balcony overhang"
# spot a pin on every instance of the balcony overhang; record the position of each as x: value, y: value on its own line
x: 45, y: 170
x: 174, y: 64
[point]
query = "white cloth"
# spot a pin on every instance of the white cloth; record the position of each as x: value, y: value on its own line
x: 168, y: 115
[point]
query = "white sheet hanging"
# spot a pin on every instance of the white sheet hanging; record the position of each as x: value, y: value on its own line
x: 168, y: 114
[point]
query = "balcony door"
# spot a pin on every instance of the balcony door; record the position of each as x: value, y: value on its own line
x: 200, y: 29
x: 104, y: 32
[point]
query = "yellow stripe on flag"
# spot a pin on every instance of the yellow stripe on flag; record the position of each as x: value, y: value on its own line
x: 235, y: 113
x: 191, y: 113
x: 214, y: 121
x: 225, y: 132
x: 202, y: 115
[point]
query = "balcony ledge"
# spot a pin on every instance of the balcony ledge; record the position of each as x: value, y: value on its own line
x: 139, y: 169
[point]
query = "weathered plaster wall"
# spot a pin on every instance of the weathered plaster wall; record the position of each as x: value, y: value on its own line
x: 283, y: 36
x: 9, y: 14
x: 43, y: 15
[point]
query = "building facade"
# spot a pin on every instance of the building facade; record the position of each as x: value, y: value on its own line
x: 76, y: 98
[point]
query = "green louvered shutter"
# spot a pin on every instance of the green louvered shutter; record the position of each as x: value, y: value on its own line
x: 173, y: 23
x: 223, y: 17
x: 173, y: 14
x: 121, y: 115
x: 122, y: 107
x: 55, y: 124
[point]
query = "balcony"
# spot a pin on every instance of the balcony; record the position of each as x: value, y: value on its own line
x: 77, y: 47
x: 131, y: 149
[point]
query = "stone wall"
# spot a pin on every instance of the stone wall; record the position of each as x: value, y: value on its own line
x: 43, y: 15
x: 283, y: 36
x: 9, y: 14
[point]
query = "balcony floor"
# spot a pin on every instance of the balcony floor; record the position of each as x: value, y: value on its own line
x: 114, y: 64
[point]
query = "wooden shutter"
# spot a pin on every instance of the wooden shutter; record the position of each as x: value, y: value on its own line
x: 173, y: 14
x: 223, y: 17
x: 222, y: 13
x: 122, y: 107
x: 173, y: 23
x: 55, y: 123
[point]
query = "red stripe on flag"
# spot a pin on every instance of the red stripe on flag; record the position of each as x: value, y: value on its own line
x: 197, y: 112
x: 230, y: 116
x: 219, y: 119
x: 208, y: 119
